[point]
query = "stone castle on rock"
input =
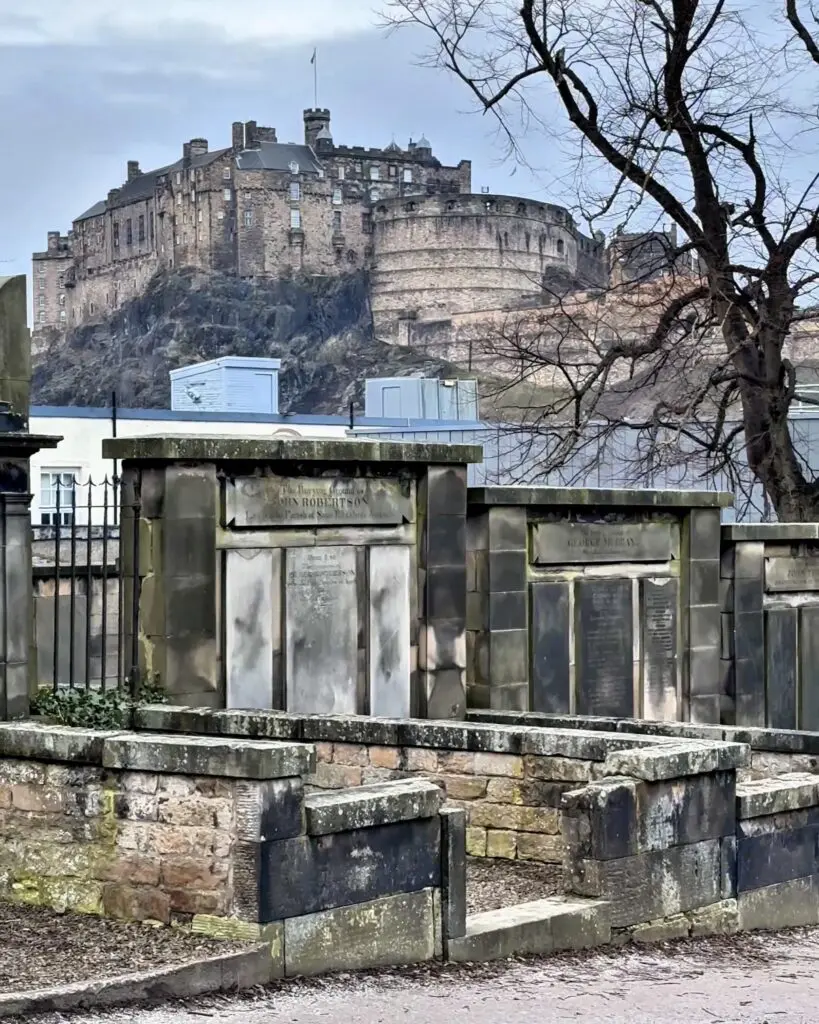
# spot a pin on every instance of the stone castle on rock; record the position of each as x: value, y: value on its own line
x: 261, y: 208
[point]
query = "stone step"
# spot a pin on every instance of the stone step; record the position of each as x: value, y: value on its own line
x: 542, y: 926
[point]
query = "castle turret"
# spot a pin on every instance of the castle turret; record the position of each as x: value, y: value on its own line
x: 316, y: 120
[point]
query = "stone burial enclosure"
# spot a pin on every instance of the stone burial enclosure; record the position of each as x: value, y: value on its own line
x: 594, y: 602
x: 320, y: 576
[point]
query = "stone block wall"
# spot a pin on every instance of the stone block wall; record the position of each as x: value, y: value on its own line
x: 218, y: 835
x: 601, y: 602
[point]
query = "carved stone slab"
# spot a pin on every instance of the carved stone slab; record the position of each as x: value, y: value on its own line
x: 791, y: 574
x: 569, y: 543
x: 658, y: 607
x: 604, y: 647
x: 321, y: 630
x: 262, y: 501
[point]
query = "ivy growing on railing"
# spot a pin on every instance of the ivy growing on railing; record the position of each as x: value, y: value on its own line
x: 95, y: 708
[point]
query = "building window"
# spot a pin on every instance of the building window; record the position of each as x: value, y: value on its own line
x: 375, y: 195
x: 295, y: 220
x: 375, y: 174
x: 337, y: 197
x: 337, y: 222
x: 42, y: 269
x: 407, y: 175
x: 129, y: 232
x: 560, y: 247
x: 341, y: 173
x: 61, y: 280
x: 62, y: 300
x: 42, y: 301
x: 178, y: 177
x: 62, y: 314
x: 42, y: 284
x: 393, y: 171
x: 200, y: 216
x: 228, y: 195
x: 116, y: 234
x: 220, y: 215
x: 41, y: 318
x: 178, y: 198
x: 248, y: 218
x: 295, y: 192
x: 366, y: 223
x: 358, y: 167
x: 226, y: 173
x: 142, y: 227
x: 193, y: 195
x: 178, y: 240
x: 151, y: 227
x: 57, y: 496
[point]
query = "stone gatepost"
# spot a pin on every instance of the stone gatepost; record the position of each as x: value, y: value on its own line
x: 314, y: 576
x: 770, y: 624
x: 595, y: 602
x: 17, y: 657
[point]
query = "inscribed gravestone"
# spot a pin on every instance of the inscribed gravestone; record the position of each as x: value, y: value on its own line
x: 791, y: 574
x: 604, y: 647
x: 321, y: 630
x: 781, y: 669
x: 659, y: 638
x: 567, y: 543
x: 550, y: 655
x: 389, y: 640
x: 252, y: 585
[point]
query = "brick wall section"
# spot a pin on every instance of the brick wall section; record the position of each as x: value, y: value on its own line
x: 132, y: 845
x: 511, y: 802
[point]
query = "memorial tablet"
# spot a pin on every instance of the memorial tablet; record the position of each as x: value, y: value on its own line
x: 658, y: 620
x: 604, y: 647
x: 316, y: 501
x: 321, y: 630
x: 791, y: 574
x: 550, y: 654
x: 809, y: 668
x: 390, y: 631
x: 781, y: 667
x: 252, y: 581
x: 572, y: 543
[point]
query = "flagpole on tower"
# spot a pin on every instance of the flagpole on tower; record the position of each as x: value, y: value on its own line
x: 314, y: 62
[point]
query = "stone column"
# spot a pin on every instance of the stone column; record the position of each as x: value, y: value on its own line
x: 702, y: 681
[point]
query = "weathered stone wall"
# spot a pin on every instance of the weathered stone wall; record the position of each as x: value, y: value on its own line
x: 594, y: 601
x: 217, y: 835
x: 770, y: 625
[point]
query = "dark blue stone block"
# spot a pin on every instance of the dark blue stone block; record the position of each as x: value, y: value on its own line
x: 446, y: 592
x: 781, y: 669
x: 748, y: 595
x: 453, y: 872
x: 507, y: 570
x: 694, y: 809
x: 550, y: 653
x: 776, y: 857
x: 749, y: 635
x: 446, y: 540
x: 313, y: 873
x: 281, y: 816
x: 704, y: 582
x: 507, y: 610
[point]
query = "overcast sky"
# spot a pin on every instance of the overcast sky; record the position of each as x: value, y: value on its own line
x: 85, y: 87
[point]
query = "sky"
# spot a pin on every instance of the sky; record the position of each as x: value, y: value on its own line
x: 85, y: 87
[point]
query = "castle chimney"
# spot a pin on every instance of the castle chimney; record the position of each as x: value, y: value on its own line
x: 251, y: 135
x: 314, y: 121
x: 199, y: 147
x: 238, y: 136
x: 186, y: 154
x: 266, y: 134
x: 53, y: 240
x: 113, y: 195
x: 133, y: 170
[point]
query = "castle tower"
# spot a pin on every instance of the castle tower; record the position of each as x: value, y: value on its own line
x: 315, y: 121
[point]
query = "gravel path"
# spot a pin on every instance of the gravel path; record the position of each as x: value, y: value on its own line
x: 492, y: 884
x: 751, y: 979
x: 42, y: 949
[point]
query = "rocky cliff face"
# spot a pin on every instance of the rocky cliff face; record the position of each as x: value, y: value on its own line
x: 321, y: 329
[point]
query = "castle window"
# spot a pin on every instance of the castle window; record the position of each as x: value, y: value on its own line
x: 178, y: 198
x: 409, y: 207
x: 41, y: 318
x: 193, y: 195
x: 60, y: 280
x: 366, y: 223
x: 295, y: 192
x: 227, y: 195
x: 248, y: 218
x: 42, y: 269
x: 560, y: 247
x: 178, y: 240
x: 226, y: 173
x: 91, y: 308
x: 129, y: 232
x: 62, y: 300
x: 200, y: 216
x: 62, y: 314
x: 42, y: 284
x: 295, y: 220
x: 341, y: 172
x: 220, y: 215
x: 521, y: 207
x: 178, y: 177
x: 393, y: 171
x: 337, y: 197
x: 116, y: 234
x: 142, y: 227
x: 375, y: 195
x: 358, y: 167
x: 375, y: 174
x: 42, y: 301
x: 337, y: 222
x: 407, y: 175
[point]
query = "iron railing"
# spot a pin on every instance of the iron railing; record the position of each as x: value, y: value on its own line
x: 86, y: 612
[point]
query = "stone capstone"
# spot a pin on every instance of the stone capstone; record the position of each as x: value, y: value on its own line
x: 368, y: 806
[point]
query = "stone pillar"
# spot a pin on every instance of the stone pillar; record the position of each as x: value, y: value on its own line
x: 17, y: 657
x: 702, y: 680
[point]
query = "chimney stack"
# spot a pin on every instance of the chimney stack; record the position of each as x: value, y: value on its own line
x: 133, y: 170
x: 186, y: 154
x: 314, y: 121
x: 238, y: 136
x: 53, y: 240
x: 199, y: 147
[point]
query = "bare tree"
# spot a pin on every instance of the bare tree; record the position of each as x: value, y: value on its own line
x: 700, y: 112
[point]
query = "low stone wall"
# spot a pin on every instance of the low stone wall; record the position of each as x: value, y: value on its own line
x: 508, y: 780
x: 218, y: 834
